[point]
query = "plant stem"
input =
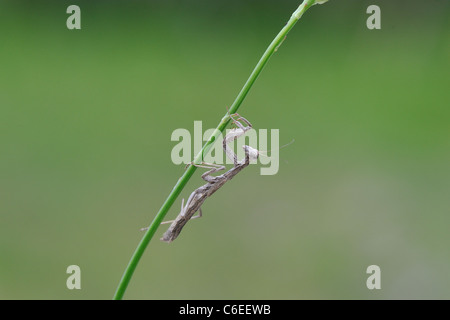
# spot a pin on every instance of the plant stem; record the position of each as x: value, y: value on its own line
x: 217, y: 132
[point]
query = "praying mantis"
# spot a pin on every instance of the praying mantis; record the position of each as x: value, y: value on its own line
x: 213, y: 183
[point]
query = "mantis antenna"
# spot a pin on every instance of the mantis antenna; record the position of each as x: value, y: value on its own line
x: 287, y: 144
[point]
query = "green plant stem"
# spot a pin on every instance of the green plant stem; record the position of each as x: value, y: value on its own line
x: 217, y: 132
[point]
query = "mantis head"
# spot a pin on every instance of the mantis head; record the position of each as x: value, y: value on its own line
x: 253, y: 154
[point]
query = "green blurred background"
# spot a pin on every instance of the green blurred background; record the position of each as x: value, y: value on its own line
x: 85, y: 123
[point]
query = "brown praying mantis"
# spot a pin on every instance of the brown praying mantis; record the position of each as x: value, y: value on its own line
x: 213, y: 183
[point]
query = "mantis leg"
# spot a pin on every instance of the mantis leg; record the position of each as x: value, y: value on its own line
x: 239, y: 124
x: 183, y: 209
x: 200, y: 214
x: 213, y: 168
x: 234, y: 134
